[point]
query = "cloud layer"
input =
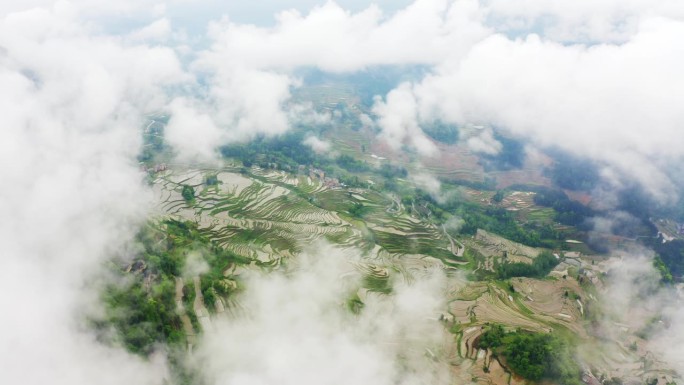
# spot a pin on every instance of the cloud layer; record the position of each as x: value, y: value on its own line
x: 597, y: 79
x: 600, y: 79
x: 295, y: 328
x: 617, y: 104
x: 634, y: 303
x: 72, y: 107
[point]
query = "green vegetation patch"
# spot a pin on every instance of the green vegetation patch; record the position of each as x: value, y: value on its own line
x: 143, y: 311
x: 441, y: 132
x: 539, y: 268
x: 533, y: 356
x: 188, y: 193
x: 143, y: 316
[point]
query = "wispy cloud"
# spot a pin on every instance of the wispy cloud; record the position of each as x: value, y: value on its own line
x: 296, y: 328
x: 75, y: 92
x: 72, y: 105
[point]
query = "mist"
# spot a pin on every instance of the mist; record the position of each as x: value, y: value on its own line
x: 72, y: 106
x: 602, y: 81
x: 637, y: 310
x: 296, y: 327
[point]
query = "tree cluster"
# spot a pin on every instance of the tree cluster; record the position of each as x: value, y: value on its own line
x: 539, y: 268
x: 534, y: 356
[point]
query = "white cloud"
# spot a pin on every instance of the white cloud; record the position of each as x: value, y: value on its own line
x: 240, y: 105
x: 193, y: 134
x: 634, y: 297
x: 333, y: 39
x: 399, y: 122
x: 306, y: 114
x: 73, y: 99
x: 616, y: 101
x: 316, y: 144
x: 618, y: 104
x: 247, y: 68
x: 429, y: 183
x: 578, y: 21
x: 72, y: 106
x: 195, y: 264
x: 483, y: 141
x: 159, y: 30
x: 296, y: 329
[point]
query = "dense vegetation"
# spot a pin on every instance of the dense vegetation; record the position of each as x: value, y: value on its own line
x: 673, y: 210
x: 568, y: 212
x: 534, y: 356
x: 285, y: 152
x: 144, y: 316
x: 441, y: 132
x: 490, y: 218
x: 188, y: 193
x: 499, y: 221
x: 639, y: 204
x: 664, y: 271
x: 539, y: 268
x: 572, y: 173
x: 352, y: 164
x: 391, y: 172
x: 670, y: 256
x: 511, y: 155
x: 143, y: 311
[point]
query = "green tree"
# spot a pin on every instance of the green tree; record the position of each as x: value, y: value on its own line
x: 188, y: 193
x: 492, y: 337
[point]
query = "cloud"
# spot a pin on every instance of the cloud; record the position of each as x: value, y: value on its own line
x: 334, y: 39
x: 239, y: 105
x: 483, y: 141
x: 318, y: 145
x: 193, y: 134
x: 74, y: 94
x: 429, y: 183
x: 159, y: 30
x: 399, y: 122
x: 614, y: 99
x: 247, y: 71
x: 586, y: 21
x: 297, y: 329
x: 72, y: 107
x: 633, y: 298
x: 617, y: 104
x: 194, y: 265
x: 306, y: 114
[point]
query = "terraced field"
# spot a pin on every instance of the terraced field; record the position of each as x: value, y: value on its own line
x: 268, y: 217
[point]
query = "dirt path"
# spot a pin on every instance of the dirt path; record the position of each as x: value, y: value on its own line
x: 457, y: 248
x: 198, y: 306
x: 190, y: 335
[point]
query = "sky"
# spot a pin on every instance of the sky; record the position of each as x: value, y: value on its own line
x: 600, y: 79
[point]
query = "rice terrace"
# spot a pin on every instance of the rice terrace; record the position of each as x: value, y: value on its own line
x: 236, y: 220
x: 338, y: 192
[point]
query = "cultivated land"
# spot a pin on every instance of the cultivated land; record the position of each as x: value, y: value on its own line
x: 270, y: 200
x: 263, y: 218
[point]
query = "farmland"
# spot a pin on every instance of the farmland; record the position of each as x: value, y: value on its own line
x: 242, y: 219
x: 502, y: 236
